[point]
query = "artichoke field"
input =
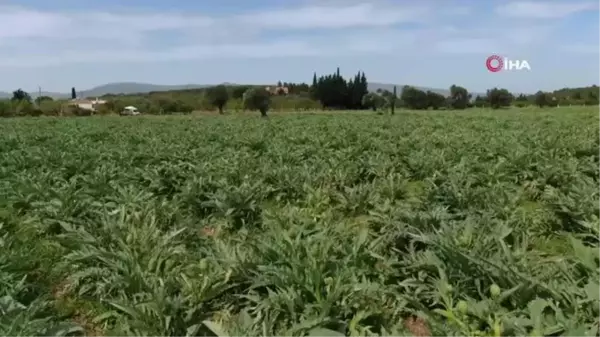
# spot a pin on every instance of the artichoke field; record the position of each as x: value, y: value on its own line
x: 434, y: 223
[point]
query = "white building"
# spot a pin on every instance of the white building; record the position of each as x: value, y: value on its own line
x: 88, y: 104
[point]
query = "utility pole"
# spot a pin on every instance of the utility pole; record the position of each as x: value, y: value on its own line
x: 394, y: 100
x: 37, y: 101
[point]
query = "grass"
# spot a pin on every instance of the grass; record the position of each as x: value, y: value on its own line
x: 443, y: 223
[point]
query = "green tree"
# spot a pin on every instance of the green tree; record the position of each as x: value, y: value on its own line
x: 184, y: 107
x: 238, y: 91
x: 592, y: 98
x: 391, y: 99
x: 459, y: 97
x: 335, y: 92
x: 481, y: 102
x: 314, y: 94
x: 20, y: 95
x: 41, y: 99
x: 414, y: 98
x: 522, y: 101
x: 6, y: 108
x: 217, y: 97
x: 166, y: 105
x: 435, y: 100
x: 23, y: 107
x: 257, y: 99
x: 73, y: 93
x: 50, y: 107
x: 373, y: 101
x: 521, y: 98
x: 297, y: 88
x: 541, y: 99
x: 499, y: 98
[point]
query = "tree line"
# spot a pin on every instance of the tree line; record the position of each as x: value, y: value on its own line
x: 335, y: 92
x: 329, y: 92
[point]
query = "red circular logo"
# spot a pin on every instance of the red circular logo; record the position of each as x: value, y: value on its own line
x: 489, y: 63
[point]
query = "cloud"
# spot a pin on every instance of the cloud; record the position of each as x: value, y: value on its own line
x: 389, y: 41
x: 248, y: 50
x: 358, y: 15
x: 31, y: 37
x: 545, y: 9
x: 495, y: 39
x: 468, y: 46
x: 18, y: 22
x: 581, y: 49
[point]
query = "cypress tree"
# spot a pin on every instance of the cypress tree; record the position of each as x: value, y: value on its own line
x: 334, y: 91
x: 314, y: 88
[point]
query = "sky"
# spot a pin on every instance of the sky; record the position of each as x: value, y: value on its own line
x: 59, y: 44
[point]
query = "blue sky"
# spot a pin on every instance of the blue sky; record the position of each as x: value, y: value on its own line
x: 63, y: 43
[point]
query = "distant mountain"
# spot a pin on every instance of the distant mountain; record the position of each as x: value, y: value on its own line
x: 115, y: 88
x: 135, y: 88
x: 4, y: 95
x: 390, y: 87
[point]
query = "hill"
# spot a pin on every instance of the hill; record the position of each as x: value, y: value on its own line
x: 116, y: 88
x: 128, y: 88
x: 135, y: 88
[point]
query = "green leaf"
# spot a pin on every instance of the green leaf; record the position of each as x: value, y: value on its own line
x: 9, y: 305
x: 215, y: 327
x: 130, y: 311
x: 324, y: 332
x: 65, y: 329
x: 362, y: 238
x: 104, y: 316
x: 592, y: 290
x: 536, y: 311
x: 581, y: 331
x: 192, y: 330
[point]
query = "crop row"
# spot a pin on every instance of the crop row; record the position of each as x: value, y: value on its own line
x: 420, y: 223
